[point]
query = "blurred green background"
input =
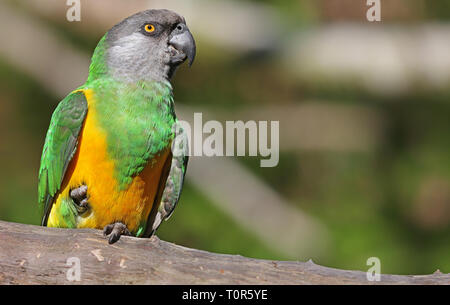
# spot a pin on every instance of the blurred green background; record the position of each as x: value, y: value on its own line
x: 364, y: 115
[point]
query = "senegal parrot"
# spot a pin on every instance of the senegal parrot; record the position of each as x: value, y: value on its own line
x: 109, y: 158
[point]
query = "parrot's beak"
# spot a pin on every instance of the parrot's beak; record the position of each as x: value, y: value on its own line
x: 183, y: 41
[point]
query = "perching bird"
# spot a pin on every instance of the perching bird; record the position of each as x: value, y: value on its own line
x: 107, y: 161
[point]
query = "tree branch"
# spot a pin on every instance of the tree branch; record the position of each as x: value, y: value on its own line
x: 37, y: 255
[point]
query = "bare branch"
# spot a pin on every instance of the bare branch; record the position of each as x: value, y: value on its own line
x: 39, y: 255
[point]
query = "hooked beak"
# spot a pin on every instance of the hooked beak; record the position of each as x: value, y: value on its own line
x: 183, y: 42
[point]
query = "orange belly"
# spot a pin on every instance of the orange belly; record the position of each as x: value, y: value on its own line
x: 92, y: 166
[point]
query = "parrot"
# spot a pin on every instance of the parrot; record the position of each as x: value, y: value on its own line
x: 115, y: 155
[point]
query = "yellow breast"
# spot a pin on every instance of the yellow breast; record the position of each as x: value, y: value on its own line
x: 92, y: 166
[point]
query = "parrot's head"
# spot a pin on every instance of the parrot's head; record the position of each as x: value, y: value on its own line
x: 149, y: 45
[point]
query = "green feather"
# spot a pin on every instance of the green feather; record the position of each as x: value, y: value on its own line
x: 137, y: 120
x: 60, y: 146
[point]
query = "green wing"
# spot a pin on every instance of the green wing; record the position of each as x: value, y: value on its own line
x: 175, y: 179
x: 59, y: 148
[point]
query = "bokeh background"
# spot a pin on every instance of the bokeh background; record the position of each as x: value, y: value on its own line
x: 364, y: 115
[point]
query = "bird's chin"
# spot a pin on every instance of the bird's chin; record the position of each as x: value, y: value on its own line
x: 176, y: 57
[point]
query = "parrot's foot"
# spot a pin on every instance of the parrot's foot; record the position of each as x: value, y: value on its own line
x: 80, y: 198
x: 115, y: 230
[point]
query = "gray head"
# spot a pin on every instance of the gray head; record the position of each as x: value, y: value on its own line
x: 149, y: 45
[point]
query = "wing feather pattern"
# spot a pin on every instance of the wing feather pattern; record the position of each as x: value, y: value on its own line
x: 175, y: 180
x: 59, y: 148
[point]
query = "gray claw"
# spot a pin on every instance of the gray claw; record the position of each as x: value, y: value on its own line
x: 80, y: 198
x: 115, y: 230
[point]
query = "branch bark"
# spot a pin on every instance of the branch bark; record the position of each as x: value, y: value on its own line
x: 37, y: 255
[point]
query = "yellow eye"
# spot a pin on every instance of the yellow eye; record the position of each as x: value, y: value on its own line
x: 149, y: 28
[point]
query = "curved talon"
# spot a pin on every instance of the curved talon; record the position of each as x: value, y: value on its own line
x: 80, y: 198
x: 115, y: 230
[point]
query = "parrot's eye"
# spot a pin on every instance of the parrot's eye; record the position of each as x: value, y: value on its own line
x: 149, y: 28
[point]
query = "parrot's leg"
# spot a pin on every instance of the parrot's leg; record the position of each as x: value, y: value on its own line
x: 115, y: 230
x: 80, y: 198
